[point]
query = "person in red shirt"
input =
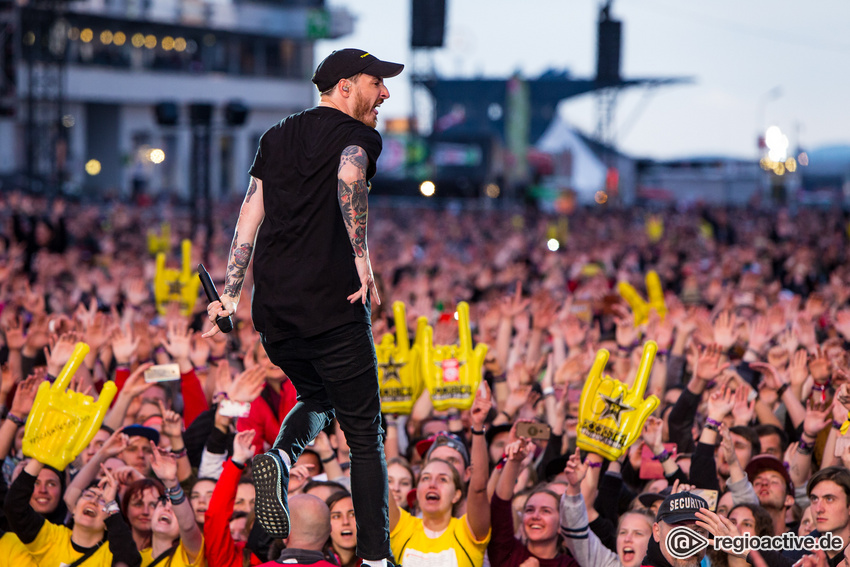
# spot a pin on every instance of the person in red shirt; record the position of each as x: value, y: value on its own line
x: 218, y: 541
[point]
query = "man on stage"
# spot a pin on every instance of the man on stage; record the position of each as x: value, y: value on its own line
x: 303, y: 221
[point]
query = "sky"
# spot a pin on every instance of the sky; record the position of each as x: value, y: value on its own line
x: 754, y: 63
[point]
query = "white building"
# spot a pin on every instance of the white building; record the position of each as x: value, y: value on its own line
x: 112, y: 62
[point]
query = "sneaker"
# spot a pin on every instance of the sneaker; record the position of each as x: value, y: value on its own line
x: 271, y: 480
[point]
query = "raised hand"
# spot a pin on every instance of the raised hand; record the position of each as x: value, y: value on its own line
x: 25, y: 396
x: 60, y: 353
x: 135, y: 385
x: 818, y: 416
x: 116, y: 443
x: 243, y: 450
x: 514, y: 305
x: 163, y: 464
x: 575, y: 470
x: 720, y: 403
x: 759, y: 334
x: 518, y: 450
x: 709, y: 365
x: 172, y: 423
x: 108, y: 484
x: 726, y: 330
x: 13, y: 329
x: 480, y: 406
x: 651, y: 433
x: 199, y: 351
x: 178, y: 341
x: 744, y: 410
x: 248, y: 385
x: 804, y: 329
x: 124, y: 344
x: 819, y: 367
x: 798, y: 370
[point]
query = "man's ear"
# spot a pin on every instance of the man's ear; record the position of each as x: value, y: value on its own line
x: 789, y: 500
x: 656, y: 532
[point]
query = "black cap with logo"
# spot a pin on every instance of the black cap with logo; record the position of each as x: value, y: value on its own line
x: 345, y: 63
x: 680, y: 507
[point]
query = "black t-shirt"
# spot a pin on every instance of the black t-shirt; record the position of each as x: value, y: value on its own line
x: 303, y: 260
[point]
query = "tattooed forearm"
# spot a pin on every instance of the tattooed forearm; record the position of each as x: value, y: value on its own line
x: 354, y: 204
x: 353, y: 195
x: 252, y: 188
x: 240, y: 257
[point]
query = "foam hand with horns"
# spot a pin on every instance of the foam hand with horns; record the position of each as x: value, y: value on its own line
x: 63, y: 422
x: 611, y: 415
x: 181, y: 286
x: 641, y: 308
x: 399, y: 372
x: 452, y: 372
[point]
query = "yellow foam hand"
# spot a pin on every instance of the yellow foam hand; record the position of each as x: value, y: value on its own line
x: 156, y: 243
x: 611, y: 415
x: 399, y: 373
x: 640, y: 308
x: 63, y: 422
x: 181, y: 286
x: 452, y: 372
x: 656, y: 294
x: 654, y: 228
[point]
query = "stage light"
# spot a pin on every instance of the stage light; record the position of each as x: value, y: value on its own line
x: 157, y: 156
x: 92, y: 167
x: 428, y: 188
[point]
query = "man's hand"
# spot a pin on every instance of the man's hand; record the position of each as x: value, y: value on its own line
x: 367, y: 281
x: 224, y: 308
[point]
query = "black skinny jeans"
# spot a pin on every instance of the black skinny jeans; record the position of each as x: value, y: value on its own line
x: 336, y: 373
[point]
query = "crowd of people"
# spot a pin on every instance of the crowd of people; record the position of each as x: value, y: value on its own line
x: 751, y: 373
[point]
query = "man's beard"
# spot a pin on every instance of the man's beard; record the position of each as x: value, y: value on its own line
x: 363, y: 111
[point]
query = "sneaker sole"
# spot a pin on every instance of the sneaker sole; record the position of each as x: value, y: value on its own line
x: 268, y: 507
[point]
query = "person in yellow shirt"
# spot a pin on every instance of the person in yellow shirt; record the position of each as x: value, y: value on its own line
x: 100, y: 534
x: 176, y: 539
x: 438, y: 537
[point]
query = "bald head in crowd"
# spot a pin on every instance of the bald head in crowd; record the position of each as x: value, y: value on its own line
x: 310, y: 523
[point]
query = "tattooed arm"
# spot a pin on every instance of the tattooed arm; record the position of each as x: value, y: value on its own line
x: 353, y: 194
x: 251, y: 216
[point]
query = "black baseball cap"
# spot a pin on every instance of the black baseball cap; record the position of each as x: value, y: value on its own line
x: 440, y: 439
x: 344, y: 63
x: 650, y: 498
x: 680, y: 507
x: 141, y: 431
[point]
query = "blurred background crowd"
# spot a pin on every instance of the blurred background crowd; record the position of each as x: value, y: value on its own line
x: 751, y: 373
